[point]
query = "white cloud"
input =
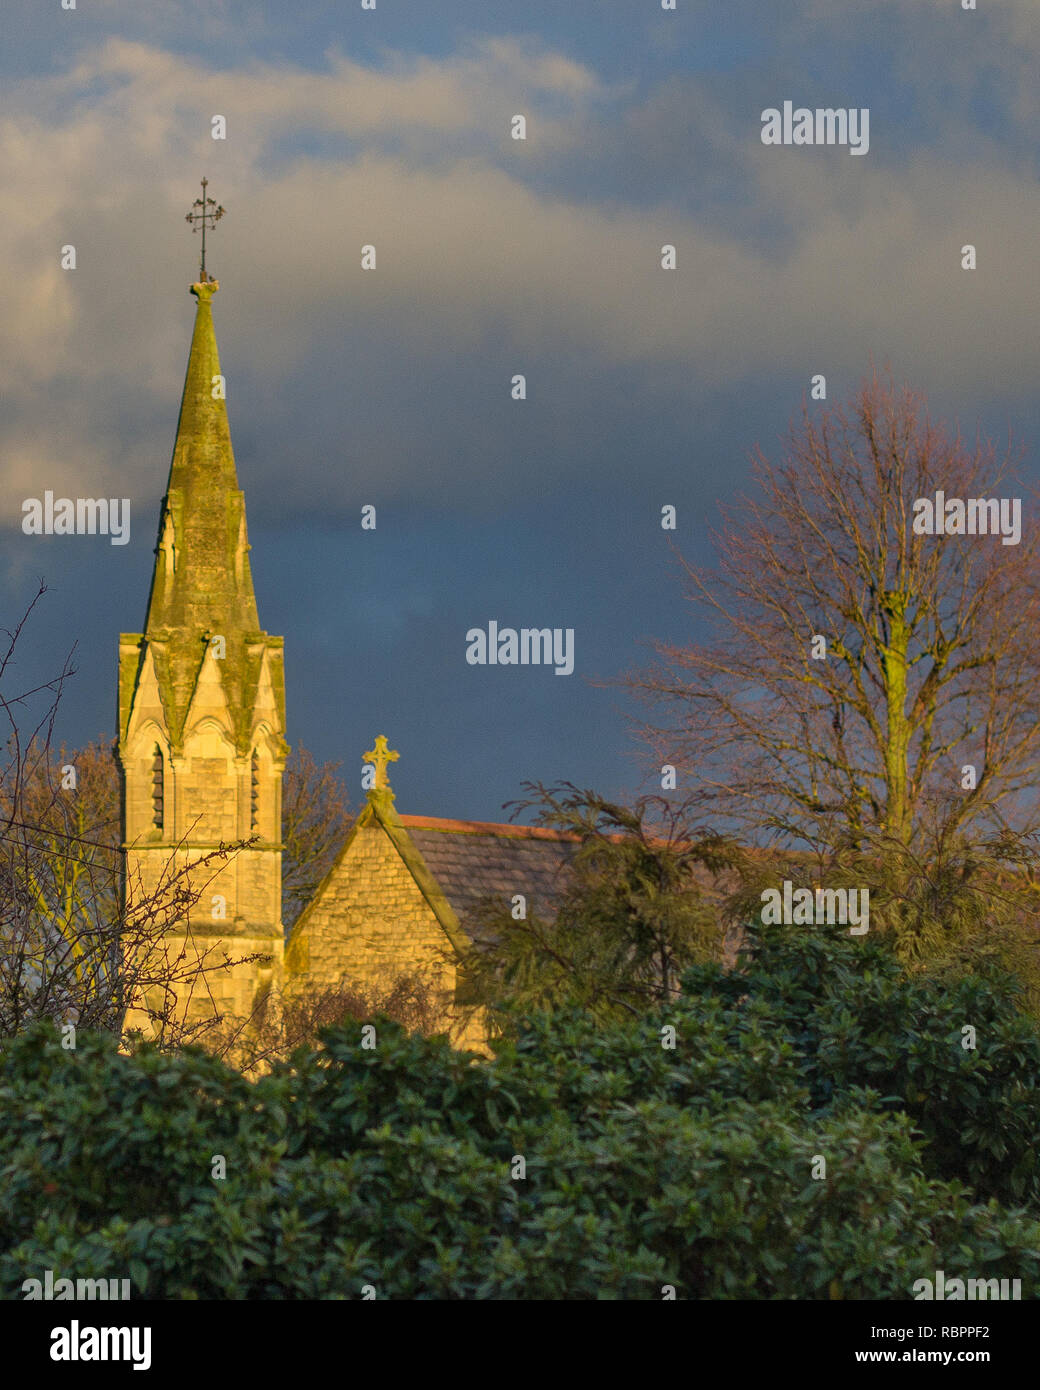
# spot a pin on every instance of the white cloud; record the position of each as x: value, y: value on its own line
x: 471, y: 245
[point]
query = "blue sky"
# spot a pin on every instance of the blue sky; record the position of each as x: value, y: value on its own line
x: 391, y: 387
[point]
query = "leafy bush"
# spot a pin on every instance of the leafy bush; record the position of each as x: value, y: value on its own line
x: 858, y: 1020
x: 398, y: 1166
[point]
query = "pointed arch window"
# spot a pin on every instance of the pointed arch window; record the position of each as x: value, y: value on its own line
x: 157, y: 788
x: 254, y: 791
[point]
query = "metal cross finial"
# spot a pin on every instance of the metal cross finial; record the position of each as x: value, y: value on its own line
x: 380, y: 755
x: 209, y: 214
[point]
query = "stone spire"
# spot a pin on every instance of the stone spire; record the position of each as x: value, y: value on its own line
x: 202, y: 587
x: 202, y: 710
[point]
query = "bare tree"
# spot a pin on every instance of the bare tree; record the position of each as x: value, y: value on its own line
x: 865, y: 690
x: 70, y: 949
x: 410, y: 999
x: 315, y: 820
x: 74, y: 795
x: 70, y: 799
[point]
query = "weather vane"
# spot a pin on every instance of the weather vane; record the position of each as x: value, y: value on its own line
x: 209, y: 214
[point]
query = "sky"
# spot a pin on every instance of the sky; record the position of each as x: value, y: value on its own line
x: 392, y: 387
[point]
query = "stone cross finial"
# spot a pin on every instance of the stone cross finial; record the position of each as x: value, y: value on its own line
x: 379, y: 756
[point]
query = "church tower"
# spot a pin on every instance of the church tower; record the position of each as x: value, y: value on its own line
x: 202, y: 712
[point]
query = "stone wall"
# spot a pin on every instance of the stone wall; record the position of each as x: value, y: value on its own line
x: 369, y: 925
x: 232, y: 992
x: 370, y: 922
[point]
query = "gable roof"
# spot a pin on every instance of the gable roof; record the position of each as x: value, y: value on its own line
x: 476, y: 860
x: 458, y: 864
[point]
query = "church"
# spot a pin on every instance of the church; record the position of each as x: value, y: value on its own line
x: 201, y: 744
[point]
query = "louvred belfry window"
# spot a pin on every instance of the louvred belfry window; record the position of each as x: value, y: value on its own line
x: 254, y: 798
x: 157, y: 788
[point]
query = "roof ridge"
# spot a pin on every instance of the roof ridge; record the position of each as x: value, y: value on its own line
x: 503, y: 830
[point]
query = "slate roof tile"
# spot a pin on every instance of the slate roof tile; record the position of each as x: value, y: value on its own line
x: 474, y: 861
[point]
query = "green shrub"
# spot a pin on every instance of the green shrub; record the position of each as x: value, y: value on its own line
x: 643, y: 1166
x: 858, y: 1020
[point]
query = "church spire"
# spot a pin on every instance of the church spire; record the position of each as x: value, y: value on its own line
x: 202, y: 599
x: 202, y: 699
x: 202, y: 577
x: 202, y: 585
